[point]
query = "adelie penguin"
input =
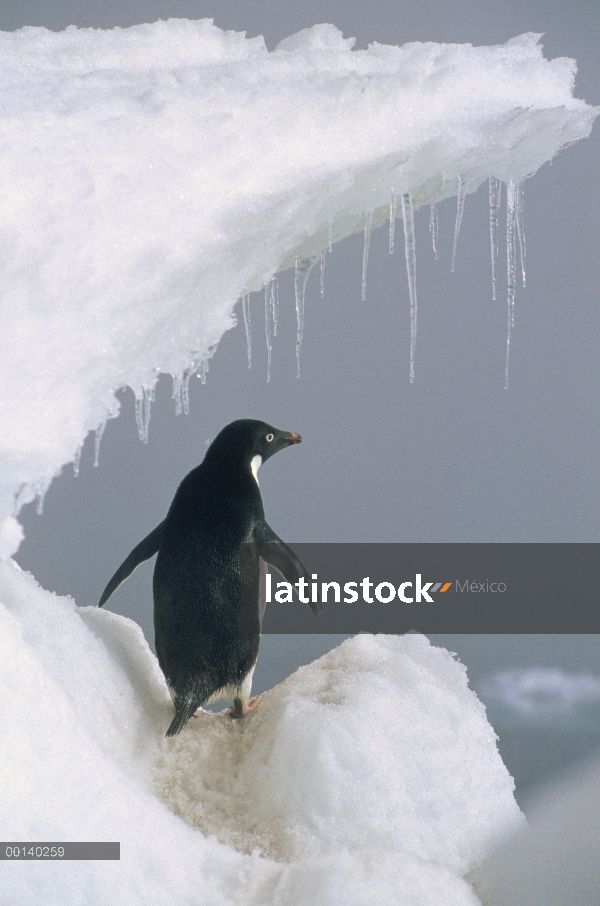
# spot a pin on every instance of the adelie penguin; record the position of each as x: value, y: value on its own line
x: 206, y: 578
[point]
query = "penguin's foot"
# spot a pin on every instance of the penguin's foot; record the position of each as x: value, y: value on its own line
x: 241, y: 709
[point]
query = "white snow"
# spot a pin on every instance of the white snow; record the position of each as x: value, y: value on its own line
x: 151, y: 176
x: 370, y: 776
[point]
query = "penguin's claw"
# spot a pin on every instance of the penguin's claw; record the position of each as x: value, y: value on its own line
x: 241, y: 709
x: 253, y: 703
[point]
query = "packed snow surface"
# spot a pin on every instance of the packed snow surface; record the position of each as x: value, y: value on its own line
x: 370, y: 776
x: 152, y: 176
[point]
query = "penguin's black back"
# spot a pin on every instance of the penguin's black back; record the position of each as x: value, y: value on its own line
x: 206, y: 578
x: 197, y: 584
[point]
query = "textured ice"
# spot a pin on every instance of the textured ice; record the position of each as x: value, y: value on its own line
x: 152, y: 176
x: 370, y: 776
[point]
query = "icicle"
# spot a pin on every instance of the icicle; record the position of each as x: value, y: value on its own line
x: 368, y: 223
x: 142, y: 413
x: 148, y: 400
x: 176, y: 394
x: 77, y: 462
x: 97, y: 442
x: 268, y: 327
x: 460, y: 206
x: 203, y: 372
x: 433, y: 228
x: 185, y: 387
x: 41, y: 496
x: 139, y: 416
x: 521, y: 228
x: 275, y: 302
x: 495, y: 192
x: 411, y: 270
x: 303, y: 269
x: 322, y: 273
x: 150, y: 397
x: 248, y: 326
x: 17, y: 498
x: 393, y: 200
x: 330, y: 236
x: 185, y: 394
x: 511, y: 193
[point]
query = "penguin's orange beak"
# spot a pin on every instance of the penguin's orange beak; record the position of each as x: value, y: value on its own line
x: 292, y: 438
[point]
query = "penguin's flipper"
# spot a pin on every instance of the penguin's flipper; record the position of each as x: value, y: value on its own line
x: 143, y: 551
x: 277, y: 554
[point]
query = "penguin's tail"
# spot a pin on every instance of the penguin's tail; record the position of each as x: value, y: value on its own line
x: 195, y: 692
x: 185, y: 709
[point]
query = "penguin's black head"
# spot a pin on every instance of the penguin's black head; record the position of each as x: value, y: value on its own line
x: 246, y: 439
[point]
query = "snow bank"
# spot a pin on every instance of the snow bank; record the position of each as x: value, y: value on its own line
x: 151, y: 176
x: 363, y: 749
x: 370, y: 776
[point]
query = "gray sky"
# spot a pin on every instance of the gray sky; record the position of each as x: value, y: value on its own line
x: 454, y: 457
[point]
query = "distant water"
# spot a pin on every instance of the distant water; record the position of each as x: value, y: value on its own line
x: 547, y: 720
x: 542, y: 695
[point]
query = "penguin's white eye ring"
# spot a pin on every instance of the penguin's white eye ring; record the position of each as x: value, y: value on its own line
x: 270, y: 437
